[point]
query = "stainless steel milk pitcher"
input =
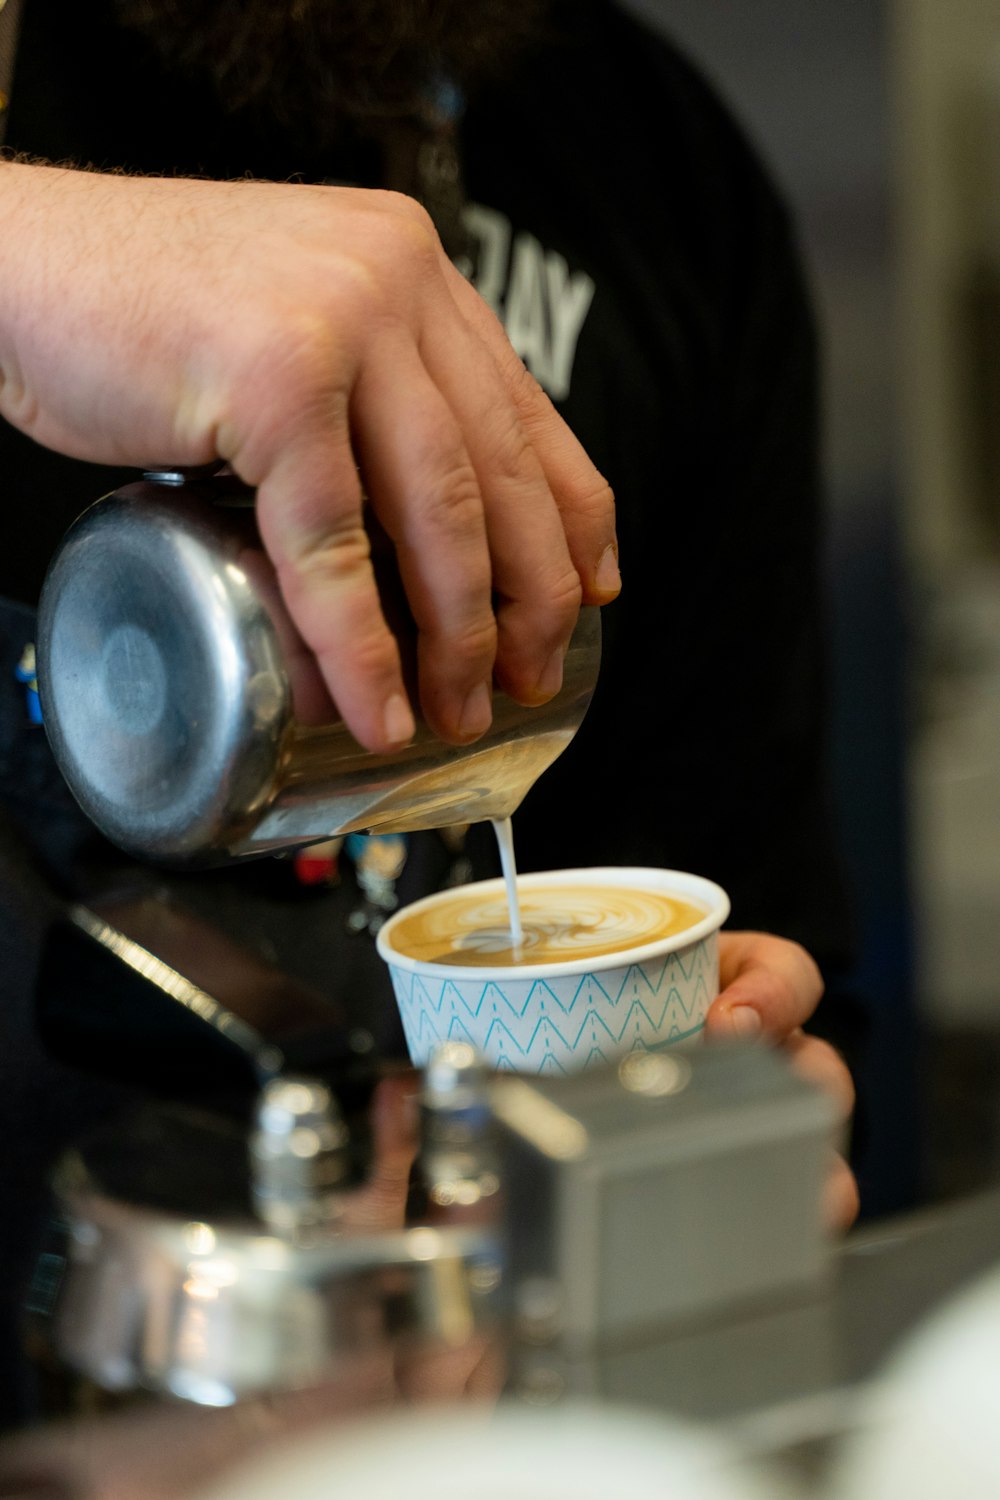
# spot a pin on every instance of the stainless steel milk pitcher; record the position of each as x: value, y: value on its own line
x: 192, y: 724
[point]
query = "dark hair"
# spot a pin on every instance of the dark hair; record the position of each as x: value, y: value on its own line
x: 320, y: 61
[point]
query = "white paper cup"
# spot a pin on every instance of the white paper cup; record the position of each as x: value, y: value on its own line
x: 563, y: 1017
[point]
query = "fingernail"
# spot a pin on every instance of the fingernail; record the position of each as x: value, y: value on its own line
x: 746, y: 1023
x: 477, y: 711
x: 608, y: 578
x: 398, y: 720
x: 551, y: 679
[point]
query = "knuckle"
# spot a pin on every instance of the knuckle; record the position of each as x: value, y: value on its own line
x: 585, y: 490
x: 374, y: 655
x: 407, y: 232
x: 328, y: 562
x: 472, y: 647
x: 341, y: 297
x: 334, y: 551
x: 451, y: 501
x: 442, y: 489
x: 326, y: 556
x: 18, y: 403
x: 290, y: 357
x: 400, y: 205
x: 532, y: 402
x: 786, y: 997
x: 514, y: 460
x: 525, y: 389
x: 776, y: 994
x: 567, y: 591
x: 416, y: 216
x: 811, y: 973
x: 593, y: 500
x: 563, y: 594
x: 322, y: 558
x: 541, y: 616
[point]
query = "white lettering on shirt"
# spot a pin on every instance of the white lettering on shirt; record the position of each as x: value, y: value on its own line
x: 542, y: 304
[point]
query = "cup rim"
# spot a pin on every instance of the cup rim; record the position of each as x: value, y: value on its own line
x: 679, y: 882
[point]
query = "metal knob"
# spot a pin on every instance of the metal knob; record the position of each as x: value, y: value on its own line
x: 298, y: 1156
x: 458, y: 1154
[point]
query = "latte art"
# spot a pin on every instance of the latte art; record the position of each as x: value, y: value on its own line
x: 560, y: 924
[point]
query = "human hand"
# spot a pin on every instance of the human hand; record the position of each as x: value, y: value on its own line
x: 312, y: 337
x: 471, y: 1363
x: 378, y: 1205
x: 769, y: 989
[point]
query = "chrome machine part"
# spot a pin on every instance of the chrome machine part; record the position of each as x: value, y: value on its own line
x: 190, y: 721
x: 208, y: 1305
x: 646, y: 1202
x: 458, y: 1147
x: 165, y: 701
x: 298, y: 1156
x: 620, y: 1232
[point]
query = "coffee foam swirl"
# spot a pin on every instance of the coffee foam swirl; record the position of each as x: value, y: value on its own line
x: 561, y: 924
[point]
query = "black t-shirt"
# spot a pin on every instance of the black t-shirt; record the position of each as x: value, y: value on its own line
x: 646, y: 272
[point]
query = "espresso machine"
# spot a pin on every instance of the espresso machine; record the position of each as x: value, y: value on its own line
x: 626, y: 1233
x: 292, y: 1210
x: 568, y: 1231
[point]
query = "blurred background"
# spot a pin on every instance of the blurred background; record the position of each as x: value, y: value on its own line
x: 881, y: 119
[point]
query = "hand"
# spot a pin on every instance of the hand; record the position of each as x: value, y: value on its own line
x: 769, y: 989
x: 470, y: 1365
x: 378, y: 1206
x: 312, y: 336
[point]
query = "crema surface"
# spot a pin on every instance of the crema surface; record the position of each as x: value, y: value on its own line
x: 561, y: 923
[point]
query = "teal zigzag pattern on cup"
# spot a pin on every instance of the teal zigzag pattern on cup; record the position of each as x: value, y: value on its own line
x: 561, y: 1025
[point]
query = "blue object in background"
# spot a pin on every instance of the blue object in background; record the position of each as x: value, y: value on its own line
x: 25, y: 672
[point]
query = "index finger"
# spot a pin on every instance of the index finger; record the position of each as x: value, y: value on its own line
x: 769, y: 987
x: 309, y: 509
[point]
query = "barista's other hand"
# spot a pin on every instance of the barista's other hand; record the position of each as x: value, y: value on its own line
x: 379, y: 1205
x: 769, y: 989
x: 309, y: 336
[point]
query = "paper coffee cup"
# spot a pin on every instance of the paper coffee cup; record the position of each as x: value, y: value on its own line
x: 569, y: 1015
